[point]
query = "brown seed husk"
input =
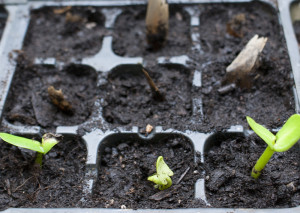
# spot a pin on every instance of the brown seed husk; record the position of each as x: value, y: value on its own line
x: 157, y: 23
x: 58, y: 99
x: 246, y: 62
x: 62, y: 10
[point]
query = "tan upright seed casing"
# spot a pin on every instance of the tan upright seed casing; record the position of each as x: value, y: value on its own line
x: 157, y: 21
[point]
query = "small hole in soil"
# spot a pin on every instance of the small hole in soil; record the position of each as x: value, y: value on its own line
x: 64, y: 32
x: 129, y: 99
x: 130, y: 33
x: 29, y: 103
x: 61, y: 177
x: 125, y: 162
x: 229, y: 160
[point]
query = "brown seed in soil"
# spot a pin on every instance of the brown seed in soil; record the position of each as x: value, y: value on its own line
x: 149, y: 129
x: 62, y: 10
x: 235, y: 26
x: 58, y: 99
x: 73, y: 18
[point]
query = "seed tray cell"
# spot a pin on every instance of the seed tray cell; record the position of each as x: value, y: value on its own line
x: 100, y: 56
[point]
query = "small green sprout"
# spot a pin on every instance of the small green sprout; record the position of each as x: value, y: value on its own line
x: 162, y: 177
x: 48, y: 141
x: 285, y: 138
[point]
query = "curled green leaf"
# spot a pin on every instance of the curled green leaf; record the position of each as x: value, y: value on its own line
x: 162, y: 177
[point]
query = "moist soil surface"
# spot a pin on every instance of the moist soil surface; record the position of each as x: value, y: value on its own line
x: 28, y: 101
x: 225, y: 29
x: 228, y: 167
x: 58, y: 184
x: 64, y: 33
x: 269, y: 101
x: 125, y: 167
x: 130, y: 34
x: 129, y: 100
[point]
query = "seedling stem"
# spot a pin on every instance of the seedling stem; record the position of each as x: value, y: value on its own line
x: 156, y: 93
x: 261, y: 162
x: 48, y: 142
x: 285, y: 138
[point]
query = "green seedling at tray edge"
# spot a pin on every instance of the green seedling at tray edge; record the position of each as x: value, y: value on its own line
x: 48, y: 142
x: 285, y: 139
x: 162, y: 175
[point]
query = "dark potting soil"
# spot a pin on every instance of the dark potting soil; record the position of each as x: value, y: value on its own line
x: 297, y: 31
x: 130, y: 33
x: 64, y: 33
x: 58, y: 184
x: 229, y: 183
x: 270, y: 99
x: 125, y: 167
x: 129, y: 100
x: 28, y: 102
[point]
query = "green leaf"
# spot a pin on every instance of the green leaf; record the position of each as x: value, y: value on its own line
x: 162, y: 167
x: 167, y: 185
x: 22, y: 142
x: 153, y: 178
x: 162, y: 177
x: 288, y: 135
x: 262, y: 132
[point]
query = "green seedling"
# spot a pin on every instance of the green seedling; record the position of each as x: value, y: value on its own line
x: 285, y: 138
x: 48, y: 142
x: 162, y: 175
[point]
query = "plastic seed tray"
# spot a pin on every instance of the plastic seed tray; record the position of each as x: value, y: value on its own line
x: 95, y: 130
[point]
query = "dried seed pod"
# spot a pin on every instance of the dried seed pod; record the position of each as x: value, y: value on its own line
x: 58, y: 99
x: 246, y: 62
x: 157, y: 23
x: 235, y: 26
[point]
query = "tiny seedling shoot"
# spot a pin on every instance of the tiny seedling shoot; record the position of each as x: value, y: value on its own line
x: 48, y: 142
x: 163, y: 174
x: 285, y: 138
x: 155, y: 91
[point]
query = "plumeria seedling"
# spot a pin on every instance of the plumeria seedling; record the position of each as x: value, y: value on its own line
x: 48, y: 142
x: 285, y: 138
x: 163, y: 174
